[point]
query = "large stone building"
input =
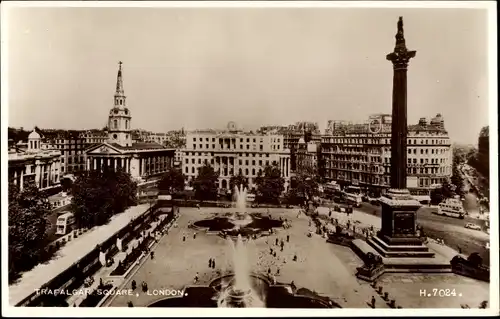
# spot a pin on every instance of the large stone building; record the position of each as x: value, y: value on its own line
x: 144, y: 161
x: 294, y: 132
x: 34, y: 161
x: 360, y: 154
x: 306, y: 157
x: 73, y: 145
x: 233, y: 151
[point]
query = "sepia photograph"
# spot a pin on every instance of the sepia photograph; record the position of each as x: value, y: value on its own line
x: 324, y: 158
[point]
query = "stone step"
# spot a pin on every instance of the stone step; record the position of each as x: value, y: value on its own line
x: 420, y: 269
x: 399, y: 254
x: 387, y: 247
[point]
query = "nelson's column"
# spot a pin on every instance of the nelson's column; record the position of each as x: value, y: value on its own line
x: 398, y: 237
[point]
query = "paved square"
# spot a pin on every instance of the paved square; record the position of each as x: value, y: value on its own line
x: 321, y: 267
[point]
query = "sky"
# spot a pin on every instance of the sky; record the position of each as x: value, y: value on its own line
x: 203, y: 67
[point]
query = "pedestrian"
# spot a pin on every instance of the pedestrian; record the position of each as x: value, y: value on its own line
x: 287, y: 238
x: 210, y: 263
x: 194, y: 235
x: 269, y: 270
x: 134, y: 285
x: 373, y: 301
x: 183, y: 237
x: 330, y: 212
x: 213, y: 263
x: 271, y: 250
x: 196, y: 278
x: 277, y: 271
x: 276, y: 241
x: 274, y: 254
x: 295, y: 257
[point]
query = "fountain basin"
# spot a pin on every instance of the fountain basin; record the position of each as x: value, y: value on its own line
x: 237, y: 224
x: 274, y: 296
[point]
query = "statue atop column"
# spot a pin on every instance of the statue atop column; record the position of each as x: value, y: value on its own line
x: 401, y: 56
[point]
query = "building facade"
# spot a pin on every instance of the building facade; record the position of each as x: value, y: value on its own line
x: 34, y: 161
x: 72, y: 145
x: 142, y: 160
x: 360, y: 154
x: 306, y: 157
x: 232, y: 151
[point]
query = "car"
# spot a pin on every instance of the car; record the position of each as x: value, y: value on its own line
x: 472, y: 226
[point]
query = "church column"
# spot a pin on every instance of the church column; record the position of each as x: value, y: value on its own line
x: 21, y: 182
x: 15, y: 177
x: 88, y: 164
x: 42, y: 175
x: 49, y: 174
x: 115, y: 162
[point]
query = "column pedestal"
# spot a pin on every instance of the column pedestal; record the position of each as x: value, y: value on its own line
x: 398, y: 236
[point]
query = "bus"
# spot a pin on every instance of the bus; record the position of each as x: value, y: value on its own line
x: 250, y: 197
x: 331, y: 189
x: 164, y: 202
x: 451, y: 207
x: 353, y: 195
x: 65, y: 223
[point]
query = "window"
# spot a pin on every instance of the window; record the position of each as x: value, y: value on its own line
x: 192, y: 170
x: 409, y: 151
x: 246, y: 162
x: 194, y: 146
x: 192, y: 160
x: 246, y: 171
x: 253, y: 171
x: 199, y: 161
x: 187, y: 170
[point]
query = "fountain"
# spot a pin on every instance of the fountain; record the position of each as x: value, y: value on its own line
x: 241, y: 288
x: 240, y: 218
x: 239, y: 292
x: 239, y: 222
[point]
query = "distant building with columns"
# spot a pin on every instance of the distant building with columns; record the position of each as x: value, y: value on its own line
x: 143, y: 161
x: 232, y: 151
x: 33, y: 161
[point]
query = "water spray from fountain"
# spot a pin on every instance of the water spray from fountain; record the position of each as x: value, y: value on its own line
x: 240, y: 292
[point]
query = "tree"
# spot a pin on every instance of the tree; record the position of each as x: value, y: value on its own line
x: 99, y: 195
x: 66, y: 184
x: 270, y: 184
x: 205, y: 184
x: 238, y: 180
x: 28, y: 226
x: 172, y: 181
x: 305, y: 186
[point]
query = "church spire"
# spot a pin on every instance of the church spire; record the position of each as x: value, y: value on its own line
x: 120, y: 93
x: 119, y: 80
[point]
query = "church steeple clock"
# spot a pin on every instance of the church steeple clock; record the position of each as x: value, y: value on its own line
x: 119, y: 116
